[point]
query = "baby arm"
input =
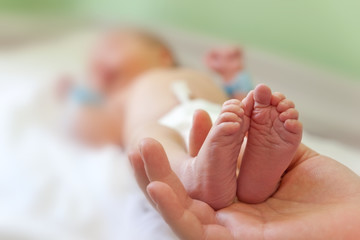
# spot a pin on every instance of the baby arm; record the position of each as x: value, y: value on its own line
x: 94, y: 126
x: 90, y: 121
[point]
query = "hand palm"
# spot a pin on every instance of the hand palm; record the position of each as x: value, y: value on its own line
x: 317, y: 198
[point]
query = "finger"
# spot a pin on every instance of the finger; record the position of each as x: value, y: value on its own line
x: 137, y: 165
x: 139, y: 170
x: 200, y: 128
x: 183, y: 222
x: 157, y: 167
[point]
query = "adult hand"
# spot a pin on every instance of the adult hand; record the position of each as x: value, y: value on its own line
x: 318, y: 199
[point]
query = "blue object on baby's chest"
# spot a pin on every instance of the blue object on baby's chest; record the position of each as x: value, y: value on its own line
x: 240, y: 84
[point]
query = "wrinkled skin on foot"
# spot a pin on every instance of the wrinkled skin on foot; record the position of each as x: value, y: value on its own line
x: 318, y: 198
x: 216, y: 162
x: 274, y: 136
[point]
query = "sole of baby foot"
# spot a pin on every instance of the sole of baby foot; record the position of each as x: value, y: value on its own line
x: 273, y: 138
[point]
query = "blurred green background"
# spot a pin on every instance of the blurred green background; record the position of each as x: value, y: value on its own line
x: 321, y: 32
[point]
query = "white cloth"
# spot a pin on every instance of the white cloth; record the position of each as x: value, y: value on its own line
x: 180, y: 118
x: 53, y: 189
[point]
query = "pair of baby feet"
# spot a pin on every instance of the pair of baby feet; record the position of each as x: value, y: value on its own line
x: 273, y: 136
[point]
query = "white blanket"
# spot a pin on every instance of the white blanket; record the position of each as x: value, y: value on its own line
x: 52, y: 189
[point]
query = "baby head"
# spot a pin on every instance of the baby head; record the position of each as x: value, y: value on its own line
x: 122, y: 55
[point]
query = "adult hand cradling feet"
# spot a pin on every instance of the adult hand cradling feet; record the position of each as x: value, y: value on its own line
x: 317, y: 197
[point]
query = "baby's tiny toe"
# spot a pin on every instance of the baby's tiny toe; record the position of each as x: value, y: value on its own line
x: 228, y: 117
x: 248, y: 103
x: 232, y: 101
x: 285, y: 105
x: 233, y: 108
x: 293, y: 125
x: 276, y: 98
x: 291, y: 113
x: 262, y: 95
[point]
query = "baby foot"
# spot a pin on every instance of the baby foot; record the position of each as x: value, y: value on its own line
x: 211, y: 176
x: 273, y: 137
